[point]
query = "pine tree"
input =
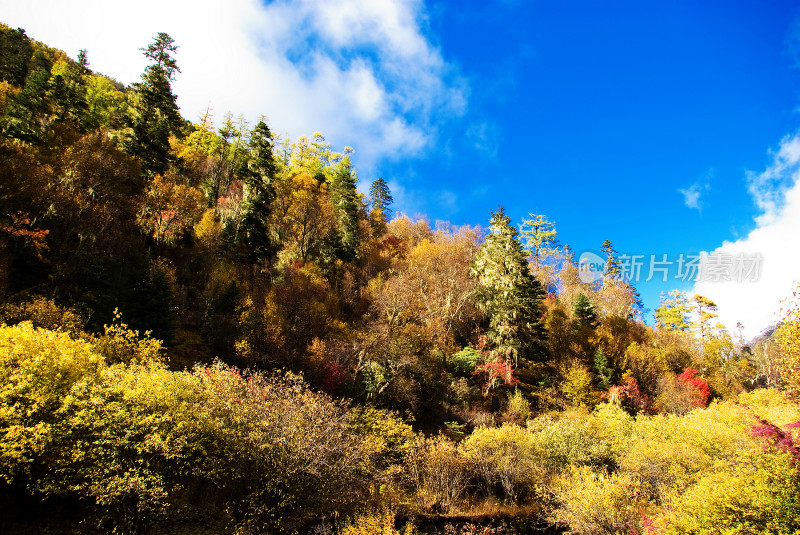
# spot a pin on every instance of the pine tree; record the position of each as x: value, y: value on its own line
x: 612, y: 264
x: 344, y: 196
x: 154, y: 113
x: 508, y: 293
x: 259, y: 176
x: 603, y: 370
x: 380, y: 199
x: 15, y: 56
x: 584, y: 312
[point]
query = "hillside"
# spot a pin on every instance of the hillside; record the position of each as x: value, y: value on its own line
x: 207, y: 328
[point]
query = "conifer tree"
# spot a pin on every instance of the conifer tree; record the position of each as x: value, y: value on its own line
x: 259, y: 175
x: 584, y: 312
x: 612, y: 264
x: 380, y: 199
x: 344, y: 196
x: 539, y: 235
x: 154, y: 113
x: 508, y: 293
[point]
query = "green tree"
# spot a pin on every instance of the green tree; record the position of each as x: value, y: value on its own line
x: 507, y: 292
x: 584, y: 311
x: 380, y: 199
x: 154, y: 114
x: 15, y: 55
x: 347, y: 205
x: 258, y: 173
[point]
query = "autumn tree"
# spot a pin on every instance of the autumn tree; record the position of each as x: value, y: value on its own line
x: 307, y: 217
x: 673, y: 312
x: 539, y: 238
x: 788, y: 336
x: 169, y: 209
x: 705, y: 309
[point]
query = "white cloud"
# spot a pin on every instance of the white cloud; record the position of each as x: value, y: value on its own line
x: 777, y: 238
x: 691, y: 195
x: 362, y: 72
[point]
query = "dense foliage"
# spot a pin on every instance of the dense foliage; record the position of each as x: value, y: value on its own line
x: 210, y: 329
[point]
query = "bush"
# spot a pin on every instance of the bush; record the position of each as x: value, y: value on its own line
x: 505, y: 459
x: 592, y: 502
x: 756, y: 497
x: 573, y: 437
x: 134, y: 444
x: 437, y: 470
x: 376, y: 523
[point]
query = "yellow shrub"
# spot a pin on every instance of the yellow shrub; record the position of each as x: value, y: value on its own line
x: 507, y: 457
x: 438, y: 473
x: 593, y: 503
x: 376, y: 523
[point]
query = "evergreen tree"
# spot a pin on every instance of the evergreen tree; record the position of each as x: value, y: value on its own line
x: 508, y: 293
x: 344, y: 196
x: 15, y: 56
x: 584, y: 312
x: 258, y: 173
x: 380, y: 199
x: 603, y: 370
x: 154, y: 114
x: 613, y: 269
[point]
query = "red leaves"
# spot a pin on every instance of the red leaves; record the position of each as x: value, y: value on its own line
x: 633, y: 397
x: 22, y: 227
x: 497, y: 371
x: 701, y: 390
x: 778, y: 438
x: 334, y: 377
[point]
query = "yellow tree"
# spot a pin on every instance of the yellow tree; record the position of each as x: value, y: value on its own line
x: 308, y: 217
x: 788, y: 336
x: 169, y: 209
x: 706, y: 309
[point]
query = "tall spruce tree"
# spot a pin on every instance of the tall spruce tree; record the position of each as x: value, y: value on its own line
x: 380, y: 199
x: 258, y: 173
x: 154, y: 113
x: 508, y: 293
x: 584, y: 312
x: 344, y: 196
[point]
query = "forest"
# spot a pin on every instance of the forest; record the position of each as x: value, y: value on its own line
x: 206, y: 328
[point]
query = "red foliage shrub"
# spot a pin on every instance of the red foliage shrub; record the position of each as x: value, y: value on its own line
x: 778, y: 438
x: 701, y: 390
x: 334, y: 377
x: 497, y: 372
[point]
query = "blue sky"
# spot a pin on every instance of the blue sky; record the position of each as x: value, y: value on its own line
x: 667, y: 127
